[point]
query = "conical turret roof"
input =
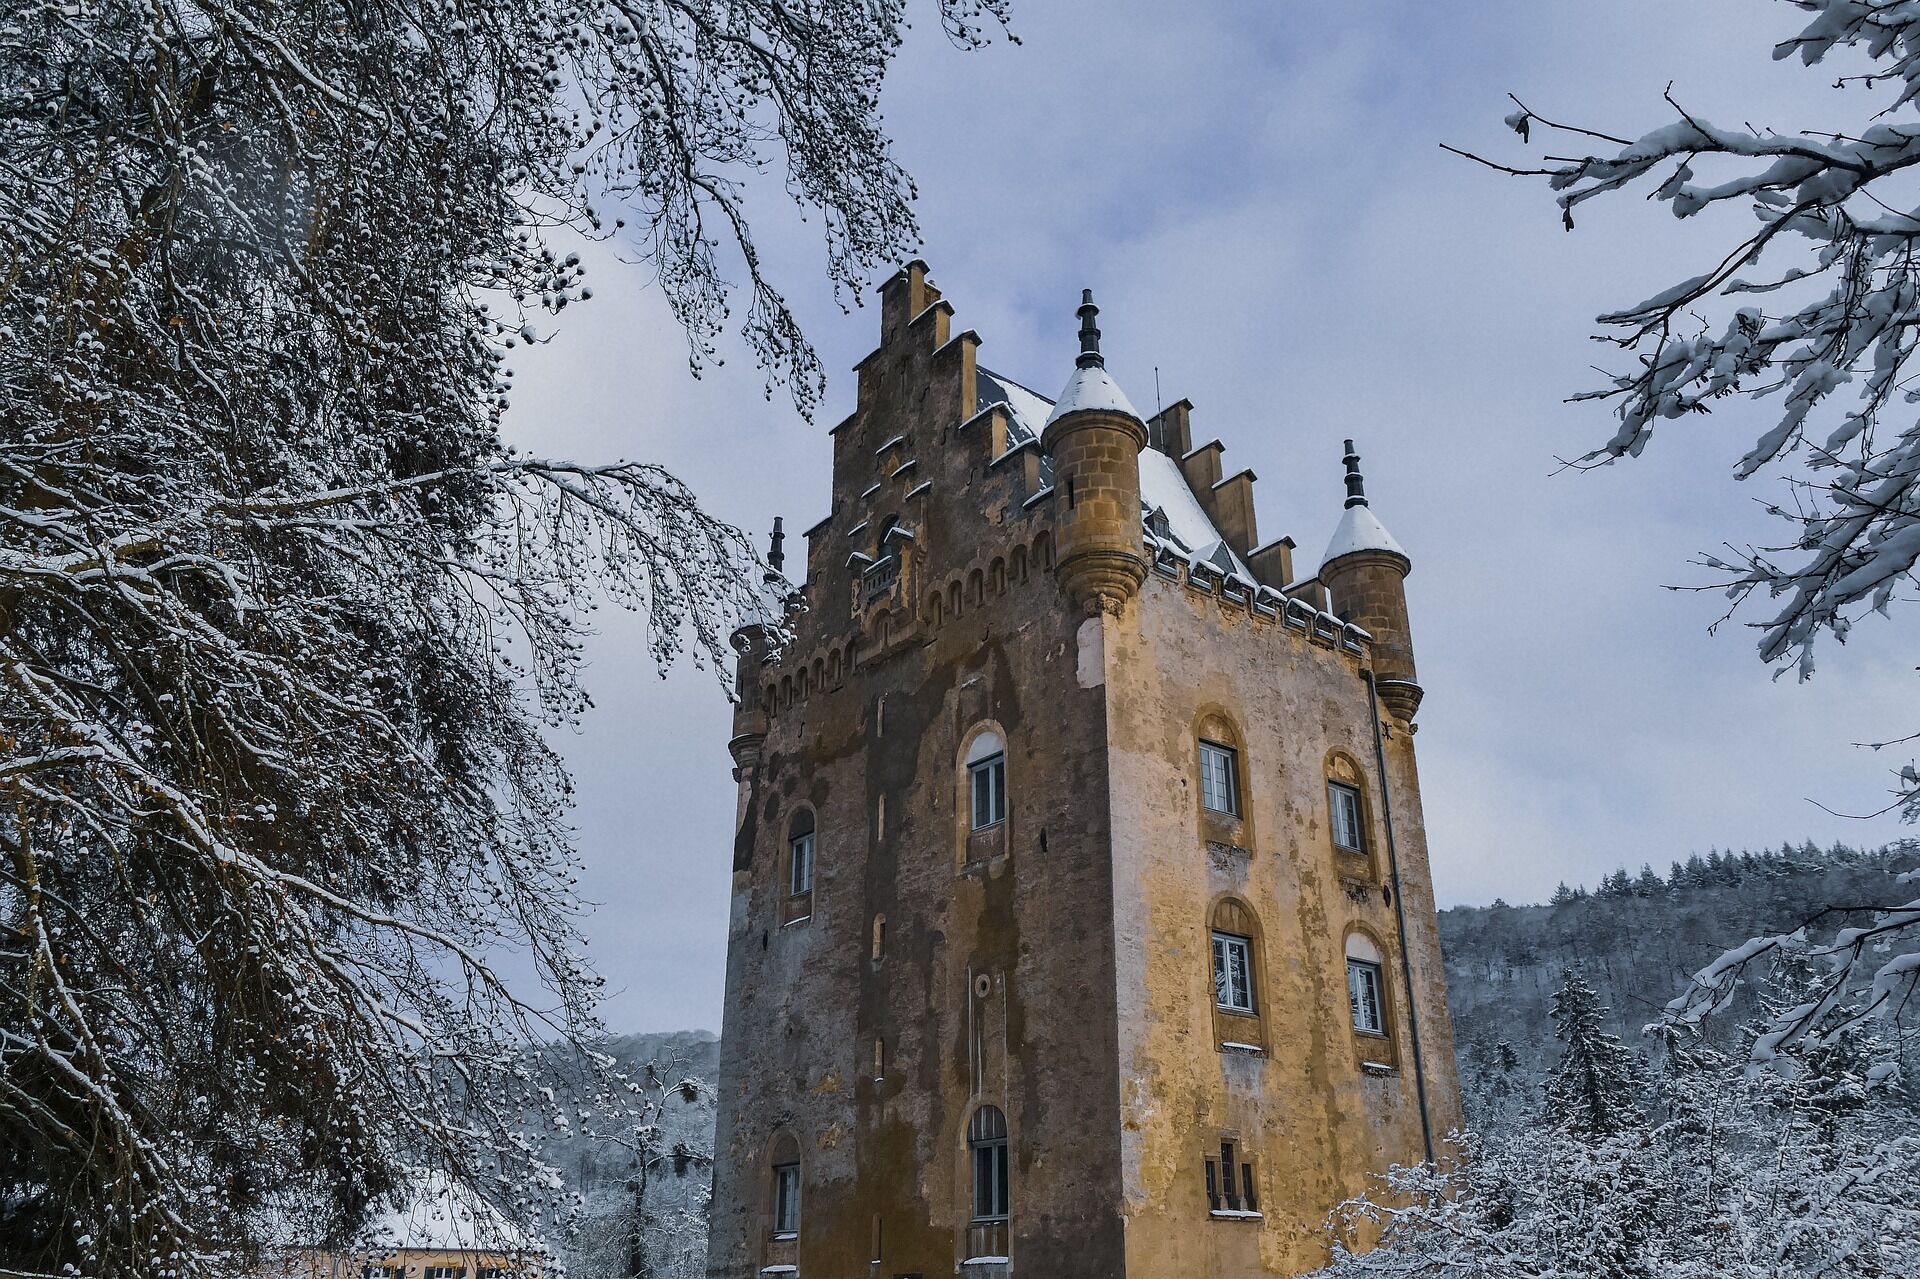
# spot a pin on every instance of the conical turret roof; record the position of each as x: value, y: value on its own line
x: 1091, y: 387
x: 1359, y: 529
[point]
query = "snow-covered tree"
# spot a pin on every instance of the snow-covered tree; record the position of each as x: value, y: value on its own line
x: 1591, y: 1089
x: 1814, y: 307
x: 1722, y: 1185
x: 282, y: 612
x: 1817, y: 309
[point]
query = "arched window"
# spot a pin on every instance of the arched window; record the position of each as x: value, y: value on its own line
x: 1346, y: 805
x: 1233, y: 971
x: 1238, y: 977
x: 785, y: 1187
x: 1019, y: 563
x: 800, y: 854
x: 987, y: 1144
x: 987, y: 779
x: 1366, y: 985
x: 1219, y: 767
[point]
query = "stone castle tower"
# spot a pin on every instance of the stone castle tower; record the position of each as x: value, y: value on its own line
x: 1081, y: 918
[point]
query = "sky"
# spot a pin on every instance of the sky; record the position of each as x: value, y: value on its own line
x: 1258, y: 197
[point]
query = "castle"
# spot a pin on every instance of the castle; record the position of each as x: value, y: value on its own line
x: 1081, y: 919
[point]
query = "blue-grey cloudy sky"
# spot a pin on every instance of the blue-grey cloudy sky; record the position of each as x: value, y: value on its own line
x: 1257, y: 195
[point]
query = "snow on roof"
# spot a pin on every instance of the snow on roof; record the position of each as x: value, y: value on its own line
x: 1026, y: 410
x: 1092, y: 388
x: 443, y: 1216
x: 1360, y: 530
x: 1162, y: 486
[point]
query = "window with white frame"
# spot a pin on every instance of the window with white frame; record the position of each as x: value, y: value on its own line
x: 987, y: 1144
x: 1219, y: 778
x: 800, y: 854
x: 1344, y: 803
x: 786, y: 1200
x: 444, y: 1272
x: 987, y: 779
x: 1233, y: 972
x: 1363, y: 994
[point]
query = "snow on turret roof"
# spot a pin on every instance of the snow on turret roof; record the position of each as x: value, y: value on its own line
x: 1360, y: 530
x: 1091, y: 387
x: 1162, y: 487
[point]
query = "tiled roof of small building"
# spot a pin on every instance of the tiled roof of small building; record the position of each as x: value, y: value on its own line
x: 436, y: 1214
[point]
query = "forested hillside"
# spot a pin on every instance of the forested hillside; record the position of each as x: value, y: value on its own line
x: 1639, y: 935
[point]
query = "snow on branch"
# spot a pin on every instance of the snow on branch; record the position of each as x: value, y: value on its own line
x: 283, y: 616
x: 1816, y: 310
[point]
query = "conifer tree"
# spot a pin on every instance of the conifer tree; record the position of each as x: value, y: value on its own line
x: 1591, y: 1089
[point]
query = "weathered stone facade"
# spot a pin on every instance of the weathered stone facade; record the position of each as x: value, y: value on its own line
x: 983, y: 572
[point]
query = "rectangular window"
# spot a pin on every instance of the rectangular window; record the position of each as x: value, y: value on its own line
x: 1230, y: 1186
x: 1363, y: 992
x: 990, y: 1181
x: 1344, y: 800
x: 800, y: 859
x: 1219, y: 778
x: 786, y: 1199
x: 1233, y: 972
x: 989, y: 791
x: 445, y: 1272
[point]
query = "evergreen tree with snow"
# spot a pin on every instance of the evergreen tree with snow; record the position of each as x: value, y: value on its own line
x: 1591, y: 1090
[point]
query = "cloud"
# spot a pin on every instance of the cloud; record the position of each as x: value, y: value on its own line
x: 1257, y: 194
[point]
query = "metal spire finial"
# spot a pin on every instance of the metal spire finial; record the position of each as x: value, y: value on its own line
x: 777, y: 556
x: 1356, y: 487
x: 1090, y: 357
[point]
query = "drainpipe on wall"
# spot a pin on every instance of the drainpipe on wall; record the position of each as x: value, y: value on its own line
x: 1400, y: 917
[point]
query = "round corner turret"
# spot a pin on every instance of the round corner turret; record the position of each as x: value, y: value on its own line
x: 1094, y: 437
x: 1365, y: 572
